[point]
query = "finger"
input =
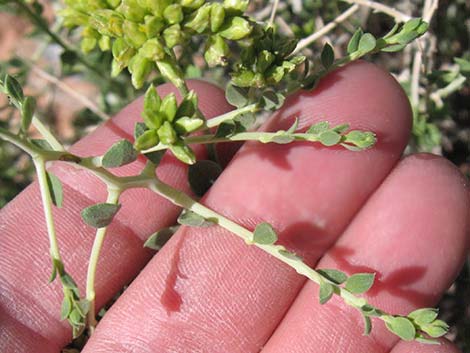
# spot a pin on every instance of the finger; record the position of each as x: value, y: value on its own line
x: 413, y: 234
x: 25, y: 295
x: 415, y: 347
x: 208, y: 291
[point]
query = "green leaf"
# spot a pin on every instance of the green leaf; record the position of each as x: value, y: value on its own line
x: 369, y: 310
x: 360, y: 139
x: 167, y: 134
x: 360, y: 282
x: 83, y: 306
x: 57, y: 268
x: 68, y: 282
x: 393, y: 48
x: 436, y: 329
x: 464, y: 65
x: 226, y: 129
x: 329, y: 138
x: 280, y: 137
x: 66, y: 307
x: 402, y: 327
x: 148, y: 139
x: 27, y: 112
x: 183, y: 152
x: 13, y: 89
x: 264, y: 234
x: 367, y: 43
x: 334, y: 276
x: 159, y: 238
x: 423, y: 316
x: 120, y: 153
x: 100, y: 215
x: 55, y: 189
x: 353, y: 44
x: 318, y: 128
x: 202, y: 175
x: 236, y: 96
x: 169, y: 106
x: 192, y: 219
x: 289, y: 255
x: 327, y: 56
x: 367, y: 325
x: 294, y: 126
x: 271, y: 100
x: 235, y: 28
x: 326, y: 291
x: 152, y: 101
x: 421, y: 339
x: 75, y: 318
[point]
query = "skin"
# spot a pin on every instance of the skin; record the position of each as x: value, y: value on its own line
x: 207, y: 291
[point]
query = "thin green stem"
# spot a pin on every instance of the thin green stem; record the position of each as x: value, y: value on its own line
x: 113, y: 198
x: 39, y: 164
x: 252, y: 108
x: 19, y: 142
x: 47, y: 135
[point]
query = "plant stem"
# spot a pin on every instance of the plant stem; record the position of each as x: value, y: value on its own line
x: 19, y: 142
x: 47, y: 134
x: 179, y: 198
x: 39, y: 164
x: 273, y: 13
x: 330, y: 26
x: 397, y: 15
x: 252, y: 108
x: 113, y: 198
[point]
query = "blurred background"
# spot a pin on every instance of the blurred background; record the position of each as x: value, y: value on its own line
x: 75, y: 91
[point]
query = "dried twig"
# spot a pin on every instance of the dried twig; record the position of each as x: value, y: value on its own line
x: 397, y: 15
x: 70, y: 91
x: 330, y: 26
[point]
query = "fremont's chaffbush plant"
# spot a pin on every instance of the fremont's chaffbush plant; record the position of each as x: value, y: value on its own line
x: 264, y: 68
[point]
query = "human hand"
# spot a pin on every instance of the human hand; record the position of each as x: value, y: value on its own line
x: 207, y: 291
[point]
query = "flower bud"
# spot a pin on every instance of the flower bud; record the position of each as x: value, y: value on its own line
x: 217, y: 16
x: 153, y: 26
x: 104, y: 43
x: 122, y: 54
x: 173, y: 36
x: 199, y: 20
x: 132, y: 34
x: 139, y: 67
x: 107, y: 22
x: 192, y: 4
x: 169, y: 107
x: 186, y: 125
x: 173, y: 14
x: 183, y: 152
x: 147, y: 140
x: 236, y: 6
x: 152, y: 50
x: 216, y: 51
x: 167, y: 134
x: 236, y: 28
x: 132, y: 10
x: 265, y: 59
